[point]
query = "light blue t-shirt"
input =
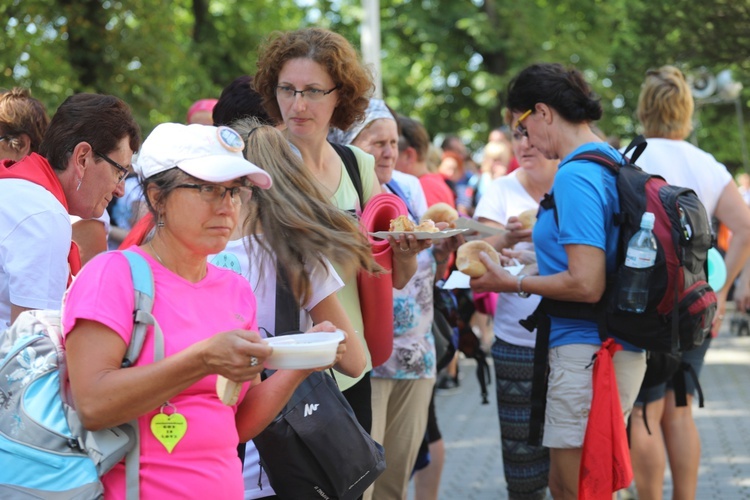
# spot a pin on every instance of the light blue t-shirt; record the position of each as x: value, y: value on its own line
x: 586, y: 198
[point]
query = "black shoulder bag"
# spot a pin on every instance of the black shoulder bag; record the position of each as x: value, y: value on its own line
x: 315, y: 448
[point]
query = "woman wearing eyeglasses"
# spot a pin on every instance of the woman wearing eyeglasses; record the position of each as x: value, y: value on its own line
x: 311, y: 80
x: 575, y: 247
x: 91, y: 235
x: 526, y: 466
x: 195, y: 180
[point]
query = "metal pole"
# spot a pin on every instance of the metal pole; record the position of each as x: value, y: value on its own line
x: 371, y: 42
x: 696, y: 122
x: 741, y: 127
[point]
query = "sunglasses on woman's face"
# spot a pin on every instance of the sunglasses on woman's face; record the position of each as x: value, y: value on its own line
x: 519, y: 128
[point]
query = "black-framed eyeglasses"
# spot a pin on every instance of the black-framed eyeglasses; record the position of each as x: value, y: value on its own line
x: 287, y: 92
x: 122, y: 172
x: 6, y: 137
x: 213, y: 193
x: 520, y: 128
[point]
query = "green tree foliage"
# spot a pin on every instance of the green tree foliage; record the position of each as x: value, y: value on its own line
x: 157, y: 55
x: 690, y: 35
x: 446, y: 62
x: 472, y: 49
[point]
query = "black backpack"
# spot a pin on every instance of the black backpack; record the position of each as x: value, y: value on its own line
x: 681, y: 305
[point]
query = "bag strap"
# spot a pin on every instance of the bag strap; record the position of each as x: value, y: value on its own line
x: 579, y: 310
x: 287, y: 305
x: 393, y: 186
x: 143, y: 286
x: 352, y: 168
x: 539, y: 320
x: 287, y: 313
x: 638, y: 146
x: 680, y: 388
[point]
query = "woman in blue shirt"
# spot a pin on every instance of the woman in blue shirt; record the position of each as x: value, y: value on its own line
x: 575, y: 250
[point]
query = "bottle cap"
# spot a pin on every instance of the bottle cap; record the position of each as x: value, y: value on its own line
x: 647, y: 221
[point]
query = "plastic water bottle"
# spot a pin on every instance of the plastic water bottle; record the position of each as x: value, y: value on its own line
x: 639, y: 261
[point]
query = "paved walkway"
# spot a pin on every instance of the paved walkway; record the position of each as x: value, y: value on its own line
x: 473, y: 468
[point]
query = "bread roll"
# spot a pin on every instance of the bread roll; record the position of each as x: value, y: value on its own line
x: 527, y: 218
x: 228, y: 390
x: 426, y: 226
x: 467, y: 257
x: 441, y: 212
x: 401, y: 224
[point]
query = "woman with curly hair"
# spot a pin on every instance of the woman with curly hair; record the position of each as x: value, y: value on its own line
x: 311, y: 79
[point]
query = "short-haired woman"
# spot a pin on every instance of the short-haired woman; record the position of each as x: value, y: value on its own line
x: 665, y: 109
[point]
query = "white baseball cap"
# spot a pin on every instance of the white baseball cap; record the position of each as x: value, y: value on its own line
x: 212, y: 154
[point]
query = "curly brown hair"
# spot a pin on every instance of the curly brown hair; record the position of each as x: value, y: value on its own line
x: 330, y: 50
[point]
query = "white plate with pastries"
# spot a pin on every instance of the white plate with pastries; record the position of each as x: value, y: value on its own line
x: 421, y: 235
x: 425, y: 230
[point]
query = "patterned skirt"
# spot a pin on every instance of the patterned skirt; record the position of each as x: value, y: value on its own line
x: 526, y: 467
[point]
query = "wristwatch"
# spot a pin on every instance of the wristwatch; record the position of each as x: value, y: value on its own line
x: 519, y: 290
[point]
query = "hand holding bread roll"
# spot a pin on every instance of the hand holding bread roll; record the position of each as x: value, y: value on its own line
x: 441, y: 212
x: 467, y: 257
x: 228, y: 390
x: 527, y: 218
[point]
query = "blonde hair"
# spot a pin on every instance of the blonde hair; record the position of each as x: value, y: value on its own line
x: 434, y: 158
x: 495, y: 151
x: 22, y: 114
x: 300, y: 225
x: 665, y: 106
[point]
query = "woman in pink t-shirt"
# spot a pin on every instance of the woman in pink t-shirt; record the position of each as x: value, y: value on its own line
x: 195, y: 179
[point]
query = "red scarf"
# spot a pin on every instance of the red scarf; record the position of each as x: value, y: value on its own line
x: 34, y: 168
x: 138, y: 232
x: 605, y: 459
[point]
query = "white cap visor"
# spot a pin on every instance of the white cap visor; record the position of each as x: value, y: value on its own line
x: 223, y: 168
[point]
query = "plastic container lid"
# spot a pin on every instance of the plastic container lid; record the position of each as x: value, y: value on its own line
x: 303, y: 351
x: 647, y: 221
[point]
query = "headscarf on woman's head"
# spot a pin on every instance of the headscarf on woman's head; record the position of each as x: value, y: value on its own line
x: 376, y: 110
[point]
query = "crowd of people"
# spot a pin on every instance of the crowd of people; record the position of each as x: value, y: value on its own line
x: 255, y: 199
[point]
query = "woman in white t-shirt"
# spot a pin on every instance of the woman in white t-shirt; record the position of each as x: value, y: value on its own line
x: 665, y: 109
x: 294, y: 226
x: 526, y: 467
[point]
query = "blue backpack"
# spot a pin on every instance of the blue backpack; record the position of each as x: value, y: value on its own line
x: 44, y: 449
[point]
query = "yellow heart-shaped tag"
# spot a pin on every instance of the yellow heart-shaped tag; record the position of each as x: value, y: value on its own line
x: 169, y: 429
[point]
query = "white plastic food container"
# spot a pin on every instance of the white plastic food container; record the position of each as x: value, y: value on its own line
x: 303, y: 350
